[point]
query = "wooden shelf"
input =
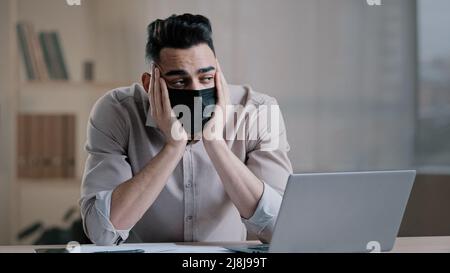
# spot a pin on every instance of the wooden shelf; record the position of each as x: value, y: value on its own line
x: 58, y: 97
x: 53, y: 182
x: 56, y: 85
x: 61, y: 97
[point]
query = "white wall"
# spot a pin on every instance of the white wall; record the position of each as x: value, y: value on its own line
x: 344, y: 75
x: 342, y: 71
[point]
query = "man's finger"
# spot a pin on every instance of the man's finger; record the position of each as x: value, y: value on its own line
x: 221, y: 73
x: 224, y: 85
x: 152, y: 92
x: 158, y: 102
x: 219, y: 84
x: 167, y: 108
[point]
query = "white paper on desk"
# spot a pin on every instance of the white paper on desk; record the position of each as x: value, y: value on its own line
x: 148, y: 248
x: 198, y: 249
x: 155, y: 248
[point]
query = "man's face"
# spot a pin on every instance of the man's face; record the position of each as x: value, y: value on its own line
x: 192, y: 69
x: 187, y: 69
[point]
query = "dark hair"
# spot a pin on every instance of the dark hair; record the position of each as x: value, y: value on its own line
x: 177, y: 31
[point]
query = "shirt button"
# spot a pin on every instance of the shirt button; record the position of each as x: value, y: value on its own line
x: 188, y: 186
x: 189, y: 218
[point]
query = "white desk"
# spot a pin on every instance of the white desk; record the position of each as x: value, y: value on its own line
x: 402, y: 245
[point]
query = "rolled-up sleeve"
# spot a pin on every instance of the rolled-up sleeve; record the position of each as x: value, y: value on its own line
x: 106, y: 168
x: 269, y: 161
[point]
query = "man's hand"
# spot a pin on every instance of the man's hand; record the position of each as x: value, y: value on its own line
x: 242, y: 186
x: 214, y: 129
x: 162, y: 112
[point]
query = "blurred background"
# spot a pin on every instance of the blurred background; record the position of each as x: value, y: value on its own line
x: 361, y: 88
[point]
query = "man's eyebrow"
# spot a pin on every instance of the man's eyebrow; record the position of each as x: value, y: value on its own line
x: 176, y: 73
x: 181, y: 72
x: 206, y: 69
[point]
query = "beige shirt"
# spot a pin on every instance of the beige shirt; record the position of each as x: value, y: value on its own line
x: 122, y: 138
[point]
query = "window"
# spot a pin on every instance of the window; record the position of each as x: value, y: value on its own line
x: 433, y: 132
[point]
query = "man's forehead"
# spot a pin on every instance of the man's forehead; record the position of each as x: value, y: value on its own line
x: 191, y: 60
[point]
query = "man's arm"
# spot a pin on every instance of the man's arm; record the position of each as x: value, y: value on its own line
x: 242, y: 186
x: 255, y: 187
x: 132, y: 199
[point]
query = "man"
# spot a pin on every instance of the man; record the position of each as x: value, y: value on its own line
x: 152, y: 173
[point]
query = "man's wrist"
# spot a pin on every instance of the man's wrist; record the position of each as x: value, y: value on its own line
x: 215, y: 144
x: 175, y: 148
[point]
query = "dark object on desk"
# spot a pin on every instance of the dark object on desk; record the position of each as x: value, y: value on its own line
x: 57, y: 235
x: 122, y: 251
x: 51, y: 250
x: 261, y: 248
x: 63, y: 250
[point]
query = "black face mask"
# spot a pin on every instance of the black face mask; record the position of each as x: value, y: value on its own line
x: 196, y: 101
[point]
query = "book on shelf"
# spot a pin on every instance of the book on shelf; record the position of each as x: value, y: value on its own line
x: 46, y: 146
x: 53, y: 54
x: 42, y: 54
x: 26, y: 51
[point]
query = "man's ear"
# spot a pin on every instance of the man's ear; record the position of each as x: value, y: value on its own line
x: 146, y: 78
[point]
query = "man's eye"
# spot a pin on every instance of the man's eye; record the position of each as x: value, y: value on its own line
x: 178, y: 83
x: 208, y: 79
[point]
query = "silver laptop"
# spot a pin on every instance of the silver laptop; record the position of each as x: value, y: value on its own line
x: 340, y: 212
